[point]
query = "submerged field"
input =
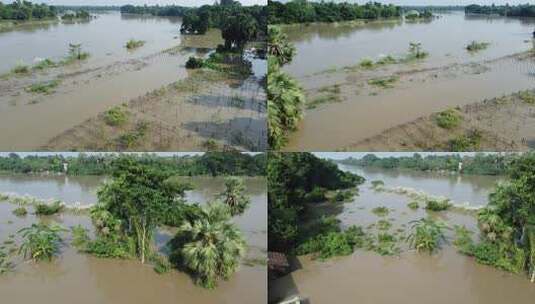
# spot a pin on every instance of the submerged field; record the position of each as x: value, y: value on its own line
x: 372, y: 84
x: 47, y: 98
x: 83, y: 278
x: 404, y: 275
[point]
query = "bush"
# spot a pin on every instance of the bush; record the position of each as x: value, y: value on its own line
x: 43, y: 88
x: 380, y: 211
x: 377, y: 183
x: 366, y: 63
x: 467, y: 142
x: 436, y: 205
x: 194, y: 63
x: 332, y: 244
x: 317, y: 195
x: 134, y: 44
x: 21, y: 69
x: 426, y: 234
x: 21, y: 211
x: 475, y: 46
x: 116, y: 116
x: 80, y: 239
x: 46, y: 209
x: 448, y: 119
x: 413, y: 205
x: 40, y: 242
x: 341, y: 196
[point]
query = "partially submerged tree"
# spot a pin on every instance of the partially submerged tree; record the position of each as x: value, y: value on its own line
x: 279, y: 46
x: 234, y: 196
x: 209, y: 246
x: 40, y: 241
x: 238, y: 30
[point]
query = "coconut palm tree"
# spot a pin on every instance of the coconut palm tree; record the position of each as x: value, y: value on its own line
x: 234, y: 196
x: 285, y: 103
x: 213, y: 246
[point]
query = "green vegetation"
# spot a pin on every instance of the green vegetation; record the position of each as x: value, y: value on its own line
x: 413, y: 205
x: 40, y: 242
x: 210, y: 163
x: 209, y: 246
x: 383, y: 224
x: 290, y: 177
x: 194, y: 63
x: 416, y: 51
x: 20, y: 68
x: 476, y: 46
x: 20, y: 211
x: 341, y: 196
x: 116, y: 116
x: 78, y: 15
x: 415, y: 15
x: 234, y: 196
x: 426, y: 234
x: 333, y: 243
x: 385, y: 83
x: 527, y: 97
x: 507, y: 223
x: 466, y: 142
x: 437, y: 205
x: 302, y: 11
x: 278, y: 46
x: 5, y: 263
x: 25, y: 10
x: 448, y: 119
x: 377, y: 184
x: 134, y: 44
x: 524, y: 10
x: 480, y: 163
x: 76, y: 53
x: 131, y: 138
x: 48, y: 209
x: 44, y: 87
x: 381, y: 211
x: 45, y: 64
x: 329, y: 94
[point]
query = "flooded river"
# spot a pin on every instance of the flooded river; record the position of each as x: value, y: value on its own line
x: 449, y: 77
x: 444, y: 277
x: 79, y: 278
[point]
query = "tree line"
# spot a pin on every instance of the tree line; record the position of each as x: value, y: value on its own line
x: 523, y: 10
x: 481, y: 164
x: 303, y: 11
x: 210, y: 163
x: 25, y: 10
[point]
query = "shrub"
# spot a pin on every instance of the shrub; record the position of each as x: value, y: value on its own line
x: 448, y: 119
x: 21, y: 68
x: 21, y: 211
x: 377, y: 183
x: 116, y: 116
x: 383, y: 225
x: 317, y: 195
x: 40, y: 242
x: 80, y: 239
x: 134, y: 44
x: 161, y: 263
x: 194, y: 63
x: 48, y: 209
x: 381, y: 211
x: 413, y: 205
x: 426, y: 234
x: 341, y: 196
x: 466, y: 142
x: 527, y: 97
x: 332, y: 244
x: 437, y: 205
x: 44, y: 64
x: 366, y: 63
x: 475, y: 46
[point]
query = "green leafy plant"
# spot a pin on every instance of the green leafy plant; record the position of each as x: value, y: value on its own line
x: 381, y: 211
x: 437, y: 205
x: 134, y: 44
x: 426, y: 234
x: 413, y: 205
x: 448, y: 119
x: 116, y: 116
x: 476, y: 46
x: 40, y: 242
x: 234, y: 196
x: 48, y: 209
x: 20, y: 211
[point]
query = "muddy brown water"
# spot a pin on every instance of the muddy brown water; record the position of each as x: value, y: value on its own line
x: 444, y: 277
x: 362, y: 113
x: 79, y: 278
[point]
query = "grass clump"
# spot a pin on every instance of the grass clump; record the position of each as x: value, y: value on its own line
x: 386, y: 244
x: 40, y: 242
x: 366, y: 64
x: 385, y: 83
x: 437, y: 205
x: 448, y: 119
x: 328, y: 94
x: 20, y: 68
x: 476, y: 46
x: 134, y: 44
x: 21, y: 211
x: 116, y: 116
x: 466, y: 142
x: 527, y: 97
x: 131, y: 138
x: 383, y: 225
x: 48, y: 209
x: 426, y: 235
x: 381, y: 211
x: 161, y: 263
x: 341, y: 196
x: 44, y: 87
x: 194, y: 63
x: 377, y: 183
x: 45, y: 64
x: 413, y: 205
x: 386, y: 60
x: 333, y: 243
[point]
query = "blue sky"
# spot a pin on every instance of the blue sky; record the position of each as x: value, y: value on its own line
x: 139, y: 2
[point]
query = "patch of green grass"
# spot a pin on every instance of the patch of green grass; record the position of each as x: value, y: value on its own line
x: 381, y: 211
x: 413, y: 205
x: 383, y: 225
x: 44, y: 87
x: 386, y: 60
x: 330, y: 94
x: 134, y: 44
x: 466, y: 142
x: 131, y: 138
x: 476, y: 46
x: 527, y: 97
x: 45, y: 64
x: 21, y: 211
x: 385, y: 83
x: 116, y: 116
x: 366, y: 64
x: 448, y: 119
x: 48, y: 209
x: 437, y: 205
x: 20, y: 68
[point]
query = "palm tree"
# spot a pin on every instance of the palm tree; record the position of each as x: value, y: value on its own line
x: 285, y: 102
x: 278, y: 45
x: 213, y: 246
x: 234, y: 196
x: 40, y: 241
x: 426, y: 234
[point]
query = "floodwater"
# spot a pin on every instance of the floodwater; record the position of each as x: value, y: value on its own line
x: 444, y: 277
x: 449, y: 77
x: 79, y: 278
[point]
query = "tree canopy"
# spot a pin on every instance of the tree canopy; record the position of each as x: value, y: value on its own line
x: 26, y: 10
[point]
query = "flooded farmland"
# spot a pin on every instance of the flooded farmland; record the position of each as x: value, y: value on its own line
x: 444, y: 277
x: 75, y: 277
x: 345, y: 106
x: 114, y: 76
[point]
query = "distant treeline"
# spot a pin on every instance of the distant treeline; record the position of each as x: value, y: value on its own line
x: 25, y: 10
x: 303, y: 11
x: 89, y: 8
x: 434, y: 8
x: 200, y: 19
x: 525, y: 10
x: 210, y: 163
x: 483, y: 164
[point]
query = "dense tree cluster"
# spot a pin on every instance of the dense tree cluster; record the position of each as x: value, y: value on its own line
x: 484, y: 164
x: 303, y: 11
x: 525, y: 10
x: 210, y: 163
x: 291, y: 179
x: 25, y: 10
